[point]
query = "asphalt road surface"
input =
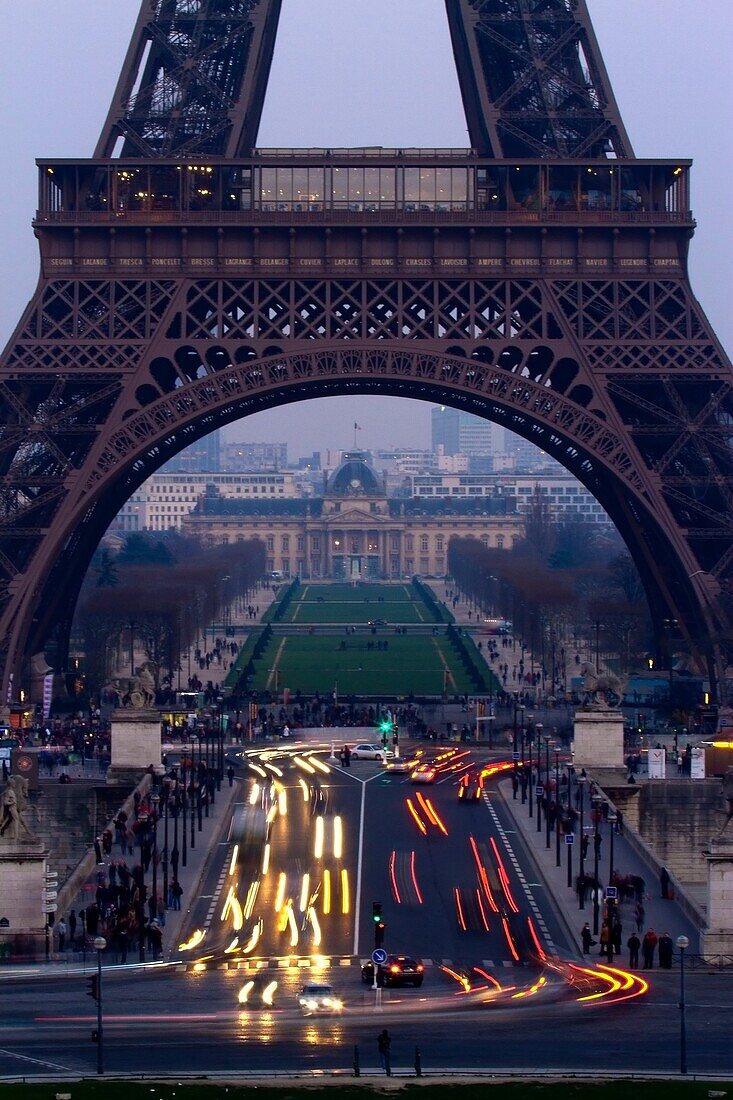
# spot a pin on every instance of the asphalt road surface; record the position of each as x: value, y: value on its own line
x: 288, y: 898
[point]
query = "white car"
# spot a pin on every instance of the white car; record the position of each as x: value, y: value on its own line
x: 318, y: 997
x: 399, y: 766
x: 369, y: 752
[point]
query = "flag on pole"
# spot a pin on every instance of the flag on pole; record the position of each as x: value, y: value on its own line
x: 357, y: 427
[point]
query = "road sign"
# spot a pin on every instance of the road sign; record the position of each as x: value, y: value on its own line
x: 570, y: 838
x: 515, y: 756
x: 611, y: 893
x: 379, y: 956
x: 539, y: 790
x: 50, y: 907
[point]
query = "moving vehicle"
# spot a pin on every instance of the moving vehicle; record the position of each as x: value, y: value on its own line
x: 397, y: 970
x: 317, y: 997
x: 470, y: 787
x: 369, y: 752
x: 398, y: 766
x: 424, y: 773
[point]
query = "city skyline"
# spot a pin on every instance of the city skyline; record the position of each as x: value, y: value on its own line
x: 661, y: 76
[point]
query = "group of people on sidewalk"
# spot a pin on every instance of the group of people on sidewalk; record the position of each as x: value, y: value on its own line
x: 611, y: 938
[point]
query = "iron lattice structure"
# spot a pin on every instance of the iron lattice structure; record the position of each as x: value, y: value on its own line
x: 539, y: 280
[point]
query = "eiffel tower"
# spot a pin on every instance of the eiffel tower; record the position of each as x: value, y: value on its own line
x: 538, y: 279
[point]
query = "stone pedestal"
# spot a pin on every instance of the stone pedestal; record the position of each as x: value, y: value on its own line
x: 22, y: 885
x: 717, y: 939
x: 599, y: 738
x: 135, y: 744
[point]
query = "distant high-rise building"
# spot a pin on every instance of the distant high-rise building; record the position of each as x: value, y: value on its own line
x: 463, y: 433
x: 255, y: 456
x: 201, y: 457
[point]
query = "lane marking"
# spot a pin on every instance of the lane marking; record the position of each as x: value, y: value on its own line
x: 526, y: 886
x: 37, y: 1061
x: 357, y: 899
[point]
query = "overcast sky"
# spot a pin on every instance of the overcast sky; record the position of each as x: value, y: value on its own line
x: 370, y: 72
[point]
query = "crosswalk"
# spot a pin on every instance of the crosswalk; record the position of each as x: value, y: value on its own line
x: 321, y: 963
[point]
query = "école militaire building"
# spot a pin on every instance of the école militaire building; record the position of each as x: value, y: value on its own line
x: 355, y: 530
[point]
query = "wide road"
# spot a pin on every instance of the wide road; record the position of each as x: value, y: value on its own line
x: 288, y: 898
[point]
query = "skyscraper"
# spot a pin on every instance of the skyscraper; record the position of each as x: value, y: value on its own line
x: 463, y: 433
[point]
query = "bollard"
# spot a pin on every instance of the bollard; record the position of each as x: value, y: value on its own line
x: 418, y: 1063
x: 357, y: 1067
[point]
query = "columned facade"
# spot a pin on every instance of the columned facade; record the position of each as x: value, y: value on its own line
x: 354, y: 532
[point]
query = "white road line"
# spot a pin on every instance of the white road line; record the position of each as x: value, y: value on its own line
x: 37, y: 1061
x: 357, y: 899
x: 524, y: 884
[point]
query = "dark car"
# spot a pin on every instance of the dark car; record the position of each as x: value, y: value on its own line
x: 397, y: 970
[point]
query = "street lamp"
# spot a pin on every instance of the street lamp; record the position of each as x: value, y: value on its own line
x: 547, y: 795
x: 515, y: 754
x: 682, y: 943
x: 612, y: 819
x: 155, y: 799
x: 596, y: 800
x: 557, y: 806
x: 99, y: 945
x: 581, y: 781
x: 539, y: 727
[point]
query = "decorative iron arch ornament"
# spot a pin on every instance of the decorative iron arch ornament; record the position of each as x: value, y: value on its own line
x: 538, y: 279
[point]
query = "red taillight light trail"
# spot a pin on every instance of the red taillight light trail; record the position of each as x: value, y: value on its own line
x: 414, y: 877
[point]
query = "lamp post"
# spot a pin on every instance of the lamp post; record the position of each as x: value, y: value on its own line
x: 515, y: 753
x: 581, y: 781
x: 612, y: 819
x: 155, y: 800
x: 539, y: 727
x: 524, y: 772
x: 547, y: 792
x: 682, y: 943
x: 596, y: 801
x: 191, y: 788
x: 557, y: 807
x: 182, y: 807
x: 530, y: 778
x: 99, y: 945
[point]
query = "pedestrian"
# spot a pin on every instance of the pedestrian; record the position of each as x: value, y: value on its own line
x: 666, y: 947
x: 648, y: 947
x: 230, y: 775
x: 177, y: 893
x: 61, y: 932
x: 98, y: 850
x: 665, y: 882
x: 175, y: 856
x: 72, y: 927
x: 347, y: 756
x: 619, y: 822
x: 597, y: 842
x: 639, y: 916
x: 606, y: 941
x: 584, y: 847
x: 586, y: 938
x: 633, y: 943
x: 384, y: 1043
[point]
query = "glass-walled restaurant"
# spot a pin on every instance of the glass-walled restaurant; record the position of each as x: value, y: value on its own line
x: 547, y: 190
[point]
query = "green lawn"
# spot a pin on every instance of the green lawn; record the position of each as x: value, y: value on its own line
x: 365, y: 1090
x: 316, y: 663
x: 397, y: 604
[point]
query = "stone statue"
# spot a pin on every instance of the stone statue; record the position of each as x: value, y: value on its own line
x: 13, y: 805
x: 138, y: 691
x: 602, y: 690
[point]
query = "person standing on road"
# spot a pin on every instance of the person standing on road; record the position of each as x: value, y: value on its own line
x: 230, y: 775
x: 384, y: 1042
x: 666, y: 948
x: 61, y: 931
x: 648, y: 947
x: 586, y: 938
x: 633, y: 943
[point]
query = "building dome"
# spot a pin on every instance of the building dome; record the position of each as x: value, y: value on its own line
x: 354, y: 478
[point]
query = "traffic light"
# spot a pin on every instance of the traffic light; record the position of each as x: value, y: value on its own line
x: 93, y: 983
x: 379, y: 930
x: 385, y: 728
x: 376, y: 911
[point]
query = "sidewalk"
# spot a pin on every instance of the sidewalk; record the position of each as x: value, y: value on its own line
x: 661, y: 915
x: 189, y: 876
